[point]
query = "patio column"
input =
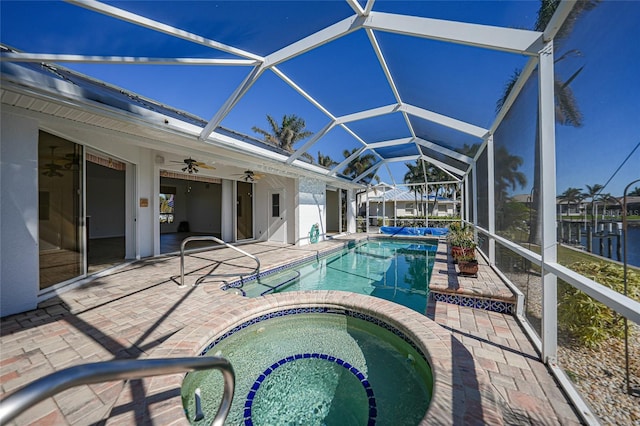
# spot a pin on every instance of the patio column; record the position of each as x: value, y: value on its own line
x: 227, y: 210
x: 352, y: 211
x: 547, y: 164
x: 395, y: 212
x: 366, y: 212
x: 384, y: 205
x: 340, y: 230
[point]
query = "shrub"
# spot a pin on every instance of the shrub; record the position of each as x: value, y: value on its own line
x: 588, y: 320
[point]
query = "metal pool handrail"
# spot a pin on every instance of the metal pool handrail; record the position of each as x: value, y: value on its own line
x: 208, y: 238
x: 107, y: 371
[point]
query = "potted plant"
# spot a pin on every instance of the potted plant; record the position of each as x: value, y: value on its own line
x: 468, y: 264
x: 461, y: 240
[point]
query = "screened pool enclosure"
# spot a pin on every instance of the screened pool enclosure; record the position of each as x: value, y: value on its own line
x: 510, y: 104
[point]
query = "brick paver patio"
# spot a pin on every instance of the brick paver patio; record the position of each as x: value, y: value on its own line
x: 138, y: 311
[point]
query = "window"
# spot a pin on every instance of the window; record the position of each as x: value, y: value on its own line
x: 275, y: 205
x: 167, y: 202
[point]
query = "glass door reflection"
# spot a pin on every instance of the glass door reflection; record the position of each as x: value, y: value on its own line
x: 61, y: 228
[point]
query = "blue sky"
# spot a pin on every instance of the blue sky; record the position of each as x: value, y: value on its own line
x: 344, y: 76
x: 608, y: 94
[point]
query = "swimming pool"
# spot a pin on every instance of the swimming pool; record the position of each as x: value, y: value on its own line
x: 398, y: 271
x: 315, y: 366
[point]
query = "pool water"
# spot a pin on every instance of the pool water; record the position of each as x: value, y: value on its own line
x: 315, y: 369
x: 398, y: 271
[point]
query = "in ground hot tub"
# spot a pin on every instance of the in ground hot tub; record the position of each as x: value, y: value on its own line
x: 315, y: 366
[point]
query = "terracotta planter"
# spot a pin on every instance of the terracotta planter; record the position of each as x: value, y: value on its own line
x: 468, y: 267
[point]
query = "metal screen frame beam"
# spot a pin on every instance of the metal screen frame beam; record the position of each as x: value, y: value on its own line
x: 491, y: 199
x: 324, y: 36
x: 490, y: 37
x: 383, y: 64
x: 346, y: 161
x: 370, y: 113
x: 231, y: 101
x: 96, y: 59
x: 474, y: 187
x: 444, y: 166
x: 392, y: 142
x: 310, y: 142
x: 369, y: 171
x: 151, y: 24
x: 444, y: 120
x: 301, y: 91
x: 547, y: 151
x: 464, y: 214
x: 356, y: 7
x: 445, y: 151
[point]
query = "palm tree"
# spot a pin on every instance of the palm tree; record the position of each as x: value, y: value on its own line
x: 286, y: 134
x: 416, y: 275
x: 592, y: 193
x: 326, y: 161
x: 507, y: 175
x: 436, y: 174
x: 470, y: 150
x: 607, y: 199
x: 571, y: 196
x: 566, y: 108
x: 415, y: 175
x: 359, y: 165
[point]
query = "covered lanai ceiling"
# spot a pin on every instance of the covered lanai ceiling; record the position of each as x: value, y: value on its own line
x: 400, y: 81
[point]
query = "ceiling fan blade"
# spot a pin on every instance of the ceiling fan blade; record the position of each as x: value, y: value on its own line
x: 204, y: 166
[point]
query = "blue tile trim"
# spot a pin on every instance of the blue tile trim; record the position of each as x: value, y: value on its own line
x: 373, y: 411
x: 315, y: 310
x: 498, y: 306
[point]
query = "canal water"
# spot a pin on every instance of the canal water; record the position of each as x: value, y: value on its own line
x: 633, y: 256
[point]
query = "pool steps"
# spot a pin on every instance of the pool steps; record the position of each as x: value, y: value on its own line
x: 282, y: 284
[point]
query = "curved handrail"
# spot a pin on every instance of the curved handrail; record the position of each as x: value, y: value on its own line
x: 99, y: 372
x: 208, y: 238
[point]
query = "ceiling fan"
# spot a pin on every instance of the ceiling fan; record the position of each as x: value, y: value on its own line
x: 52, y: 169
x: 193, y: 166
x: 73, y: 161
x: 250, y: 176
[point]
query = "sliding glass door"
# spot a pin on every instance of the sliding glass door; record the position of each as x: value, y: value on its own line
x: 244, y: 211
x: 61, y: 213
